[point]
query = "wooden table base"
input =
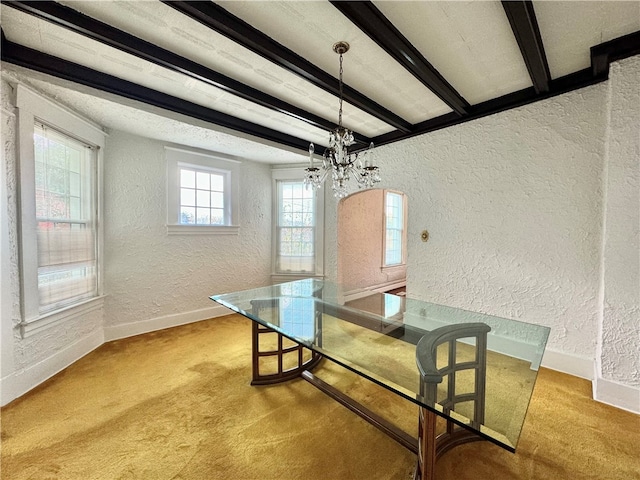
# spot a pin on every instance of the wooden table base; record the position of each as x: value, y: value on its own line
x: 428, y: 446
x: 279, y: 373
x: 432, y: 446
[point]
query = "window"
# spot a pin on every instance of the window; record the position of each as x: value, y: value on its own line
x: 295, y: 228
x: 394, y: 229
x: 65, y: 201
x: 60, y: 158
x: 298, y: 226
x: 202, y: 193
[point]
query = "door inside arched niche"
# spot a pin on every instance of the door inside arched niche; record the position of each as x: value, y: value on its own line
x: 364, y: 262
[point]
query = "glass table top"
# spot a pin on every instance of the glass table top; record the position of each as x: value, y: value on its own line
x: 375, y: 336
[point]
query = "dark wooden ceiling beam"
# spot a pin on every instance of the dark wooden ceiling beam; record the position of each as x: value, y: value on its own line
x: 617, y: 49
x: 96, y: 30
x: 525, y: 29
x: 374, y: 24
x: 58, y: 67
x: 223, y: 22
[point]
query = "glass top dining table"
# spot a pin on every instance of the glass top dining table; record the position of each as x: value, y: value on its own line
x: 378, y: 336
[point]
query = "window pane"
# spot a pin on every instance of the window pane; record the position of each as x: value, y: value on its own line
x: 188, y: 215
x: 203, y: 198
x: 217, y: 216
x: 74, y: 183
x: 307, y: 205
x: 217, y: 183
x: 56, y: 179
x: 39, y: 145
x: 75, y: 161
x: 57, y: 154
x: 58, y: 206
x: 187, y: 197
x: 308, y: 219
x: 75, y: 210
x: 203, y: 180
x: 286, y: 213
x: 187, y: 178
x: 217, y: 199
x: 203, y: 216
x: 394, y: 229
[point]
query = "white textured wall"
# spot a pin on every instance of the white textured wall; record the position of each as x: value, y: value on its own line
x: 150, y: 274
x: 9, y: 301
x: 620, y: 350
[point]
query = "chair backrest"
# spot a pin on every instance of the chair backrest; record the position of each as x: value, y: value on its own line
x: 431, y: 376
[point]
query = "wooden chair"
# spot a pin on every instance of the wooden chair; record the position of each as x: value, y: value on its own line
x: 431, y: 376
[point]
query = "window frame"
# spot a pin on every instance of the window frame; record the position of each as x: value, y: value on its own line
x: 403, y: 240
x: 87, y: 215
x: 176, y: 158
x: 296, y: 175
x: 32, y: 108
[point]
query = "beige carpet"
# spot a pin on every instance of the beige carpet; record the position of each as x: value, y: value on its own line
x: 177, y: 404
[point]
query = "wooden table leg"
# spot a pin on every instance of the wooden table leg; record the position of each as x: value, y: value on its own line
x: 427, y: 454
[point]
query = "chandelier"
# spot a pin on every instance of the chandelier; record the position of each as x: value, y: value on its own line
x: 337, y: 159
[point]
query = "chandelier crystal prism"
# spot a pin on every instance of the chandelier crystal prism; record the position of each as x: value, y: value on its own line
x: 337, y: 160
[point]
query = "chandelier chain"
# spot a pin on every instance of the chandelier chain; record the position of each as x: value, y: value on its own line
x: 340, y: 111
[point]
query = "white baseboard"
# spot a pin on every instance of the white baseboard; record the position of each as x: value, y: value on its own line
x: 117, y: 332
x: 617, y: 394
x: 20, y: 382
x: 576, y: 365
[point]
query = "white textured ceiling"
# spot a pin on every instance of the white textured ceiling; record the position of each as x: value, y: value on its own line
x: 470, y: 43
x: 454, y: 37
x: 569, y: 29
x: 301, y: 27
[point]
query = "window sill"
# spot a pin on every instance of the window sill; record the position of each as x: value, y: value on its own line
x: 277, y: 278
x: 36, y: 325
x: 393, y: 268
x: 203, y: 229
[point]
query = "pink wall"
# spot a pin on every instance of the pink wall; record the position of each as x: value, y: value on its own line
x: 360, y: 243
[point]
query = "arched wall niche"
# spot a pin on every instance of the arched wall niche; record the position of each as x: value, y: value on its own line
x: 361, y: 243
